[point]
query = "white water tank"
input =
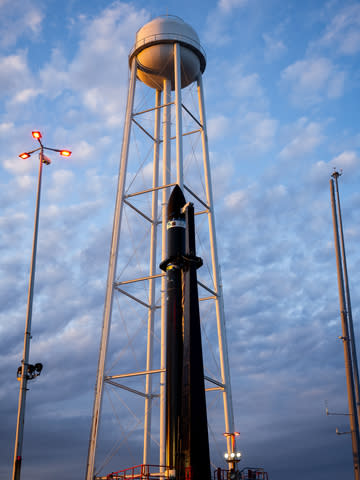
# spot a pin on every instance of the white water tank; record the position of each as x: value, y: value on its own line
x: 154, y: 52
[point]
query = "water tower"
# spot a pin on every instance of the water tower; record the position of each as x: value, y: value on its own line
x: 166, y: 62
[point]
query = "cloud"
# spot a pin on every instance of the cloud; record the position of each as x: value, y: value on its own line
x: 227, y: 6
x: 98, y: 72
x: 274, y: 48
x: 19, y: 18
x: 244, y: 85
x: 305, y: 137
x: 23, y: 96
x: 14, y: 73
x: 61, y: 184
x: 312, y: 80
x: 343, y: 32
x: 218, y: 126
x: 348, y: 161
x: 217, y: 21
x: 257, y: 132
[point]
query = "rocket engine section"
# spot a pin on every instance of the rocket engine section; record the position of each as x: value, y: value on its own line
x: 187, y: 442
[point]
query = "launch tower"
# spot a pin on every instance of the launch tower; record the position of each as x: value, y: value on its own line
x: 164, y: 144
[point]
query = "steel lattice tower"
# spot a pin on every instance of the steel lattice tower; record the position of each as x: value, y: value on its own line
x: 166, y: 59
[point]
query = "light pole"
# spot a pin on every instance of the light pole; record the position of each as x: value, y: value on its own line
x: 233, y: 457
x: 26, y: 371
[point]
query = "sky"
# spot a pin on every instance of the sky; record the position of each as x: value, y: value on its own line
x: 281, y: 91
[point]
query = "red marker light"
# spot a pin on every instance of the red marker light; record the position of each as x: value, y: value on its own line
x: 36, y: 135
x: 65, y: 153
x: 24, y: 155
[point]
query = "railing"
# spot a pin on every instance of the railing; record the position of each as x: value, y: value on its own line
x: 165, y: 38
x: 244, y: 474
x: 157, y: 472
x: 142, y: 472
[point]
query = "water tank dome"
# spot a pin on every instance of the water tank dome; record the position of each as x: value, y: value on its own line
x: 154, y: 52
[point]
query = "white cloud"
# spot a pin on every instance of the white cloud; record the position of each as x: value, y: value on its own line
x: 216, y: 23
x: 228, y: 6
x: 312, y: 80
x: 61, y: 184
x: 257, y: 131
x: 218, y: 126
x: 18, y: 167
x: 54, y: 76
x: 6, y: 127
x: 348, y: 161
x: 305, y: 136
x: 237, y: 200
x: 99, y: 70
x: 343, y: 32
x: 23, y: 96
x: 14, y: 73
x: 83, y: 150
x: 246, y: 85
x: 19, y: 18
x: 274, y: 48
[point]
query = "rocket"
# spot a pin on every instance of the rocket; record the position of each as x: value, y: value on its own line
x: 187, y: 442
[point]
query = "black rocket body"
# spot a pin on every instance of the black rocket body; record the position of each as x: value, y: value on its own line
x: 187, y: 443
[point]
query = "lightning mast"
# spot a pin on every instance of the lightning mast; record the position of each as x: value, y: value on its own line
x: 351, y: 367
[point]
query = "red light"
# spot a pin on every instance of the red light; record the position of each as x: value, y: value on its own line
x: 65, y: 153
x: 24, y: 155
x: 36, y: 135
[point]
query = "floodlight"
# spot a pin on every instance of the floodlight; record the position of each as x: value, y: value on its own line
x: 65, y: 153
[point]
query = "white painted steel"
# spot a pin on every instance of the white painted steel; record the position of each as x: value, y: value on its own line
x: 178, y: 110
x: 152, y: 285
x: 111, y: 277
x: 219, y: 302
x: 165, y: 195
x: 154, y: 51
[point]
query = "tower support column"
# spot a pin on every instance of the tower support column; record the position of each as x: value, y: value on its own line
x: 166, y: 171
x: 111, y: 277
x: 219, y: 302
x: 152, y: 272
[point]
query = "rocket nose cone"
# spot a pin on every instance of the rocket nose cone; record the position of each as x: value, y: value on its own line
x: 176, y: 203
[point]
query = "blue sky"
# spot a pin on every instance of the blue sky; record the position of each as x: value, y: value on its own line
x: 282, y: 95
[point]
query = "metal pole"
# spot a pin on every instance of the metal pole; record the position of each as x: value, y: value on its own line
x: 336, y: 175
x: 178, y: 110
x: 27, y: 337
x: 165, y: 195
x: 111, y: 277
x: 219, y: 302
x: 354, y: 425
x: 152, y: 271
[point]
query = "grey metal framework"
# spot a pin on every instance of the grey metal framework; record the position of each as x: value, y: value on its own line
x: 165, y: 102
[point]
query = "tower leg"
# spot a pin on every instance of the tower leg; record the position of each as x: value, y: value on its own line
x: 219, y: 302
x: 166, y: 171
x: 152, y: 271
x: 178, y: 110
x: 111, y: 277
